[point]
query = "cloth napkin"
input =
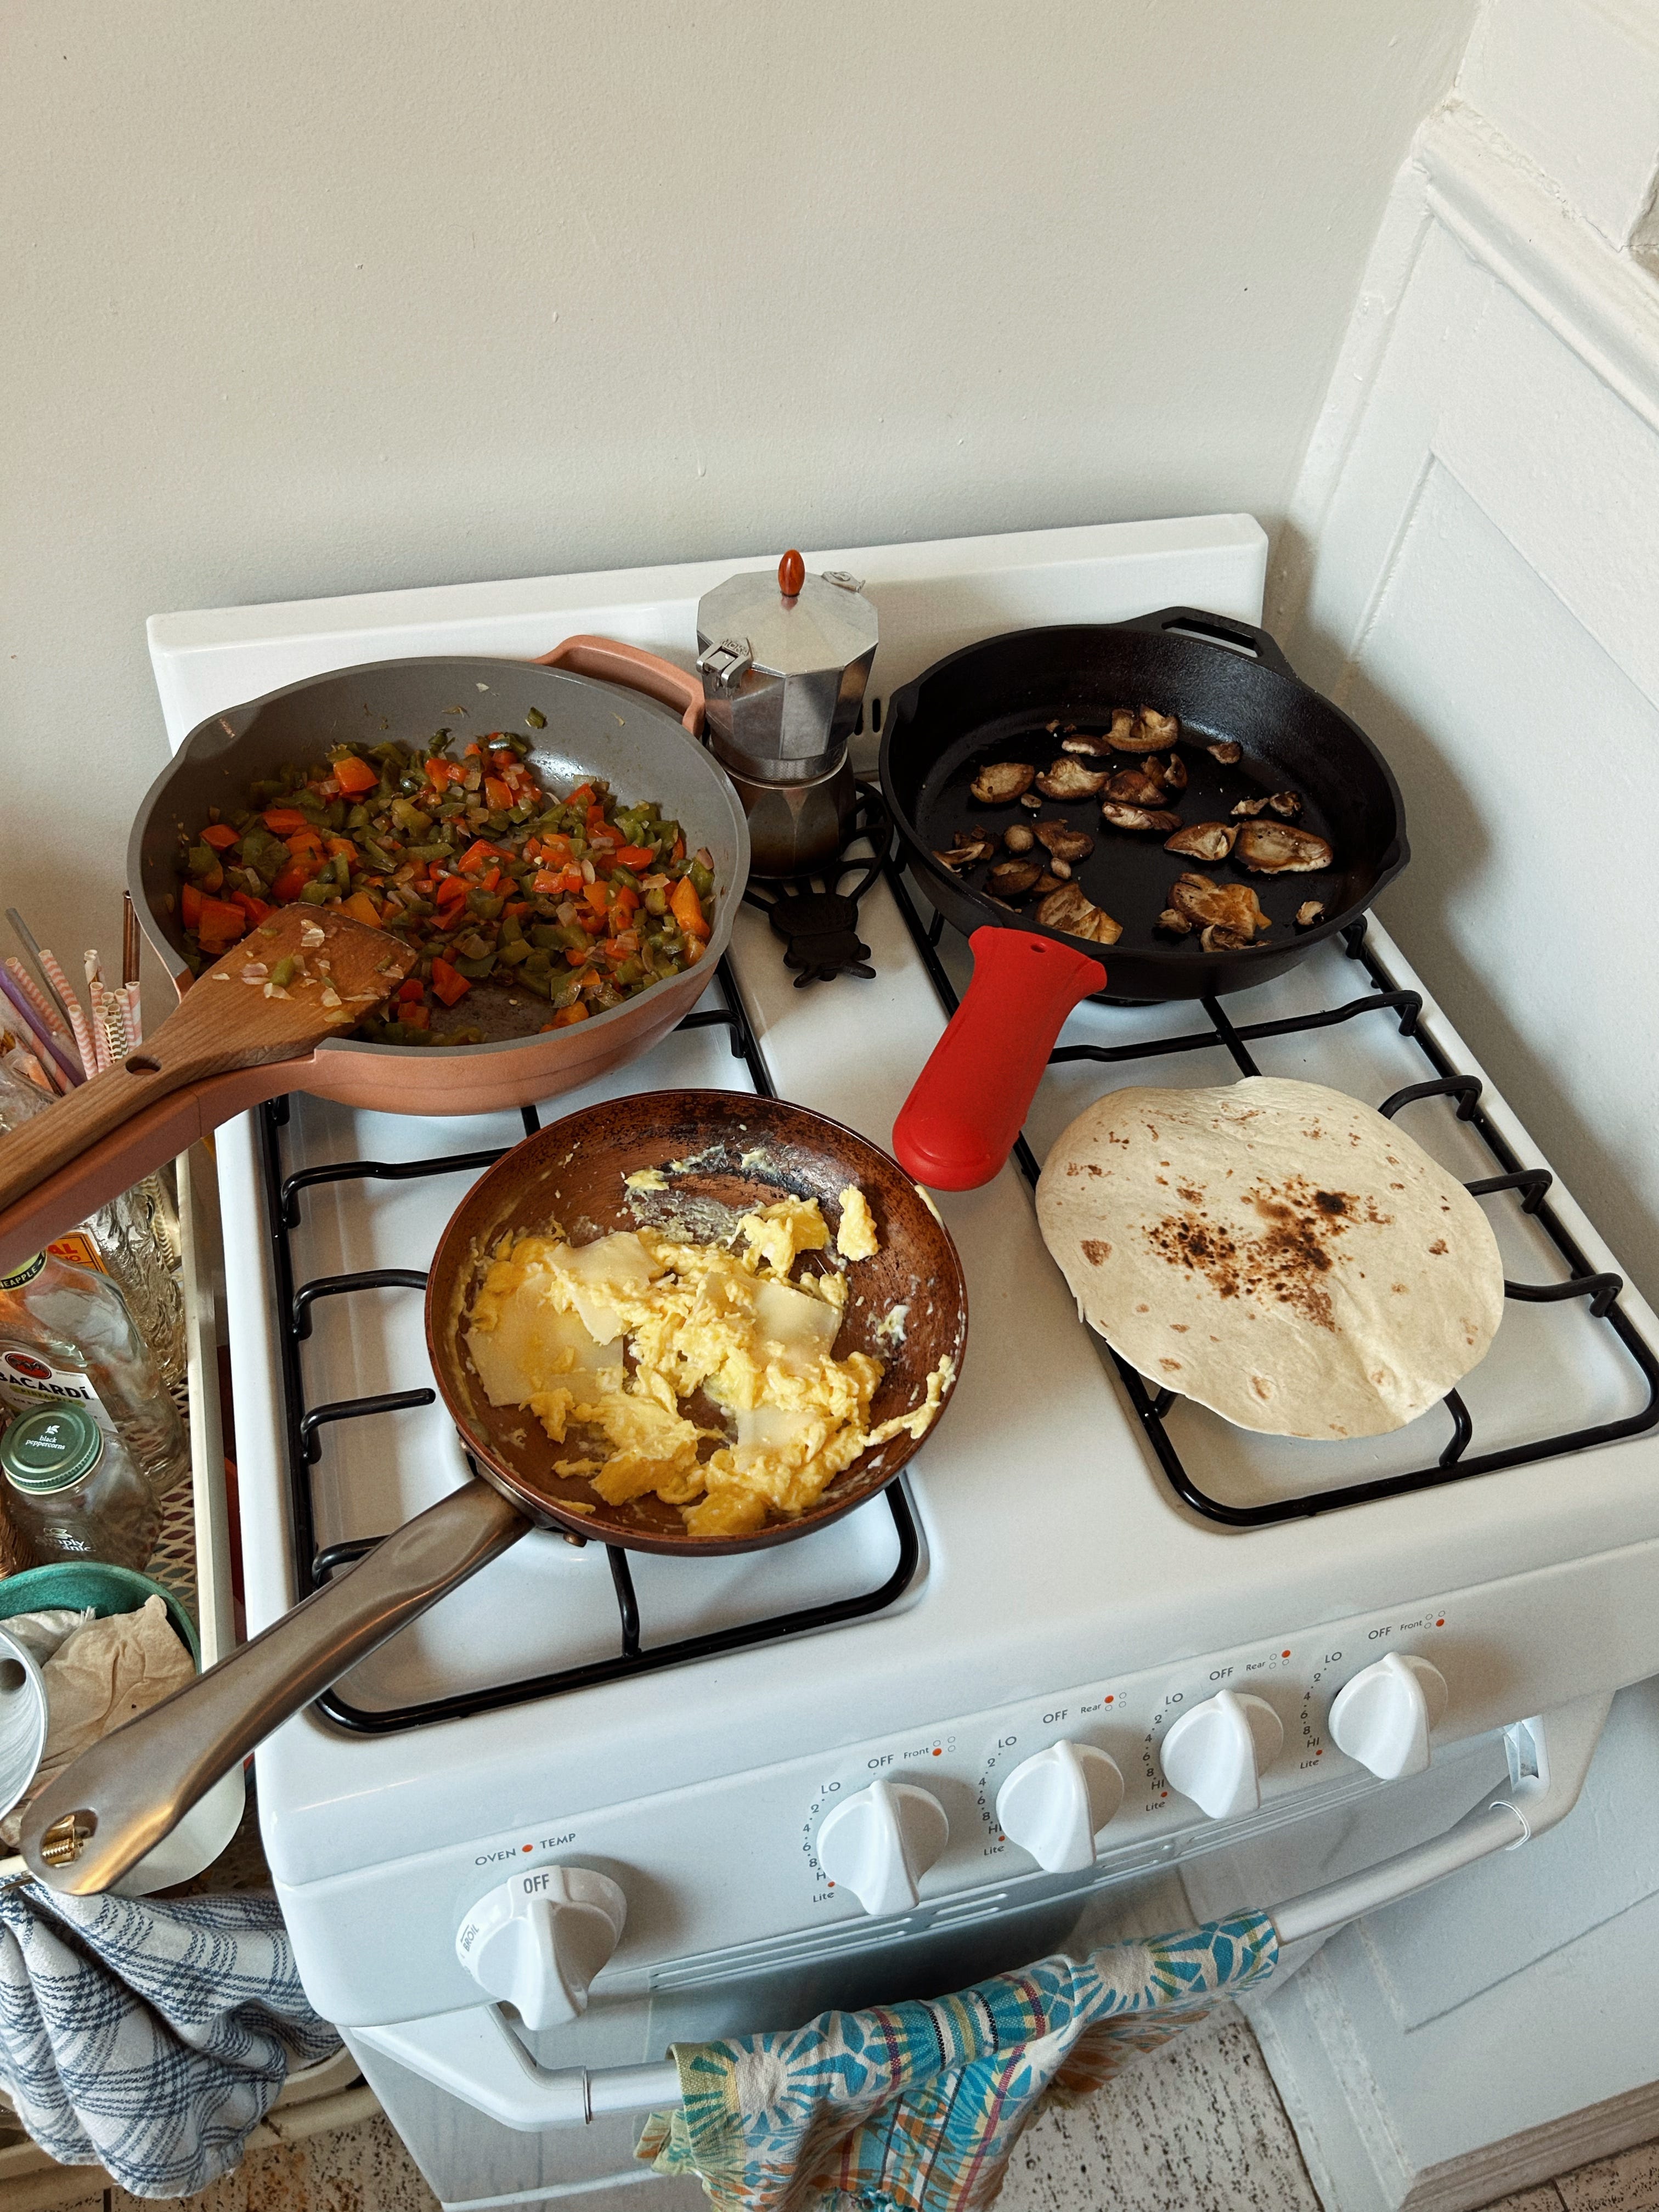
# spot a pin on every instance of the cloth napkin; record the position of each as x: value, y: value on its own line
x: 916, y: 2107
x: 149, y: 2038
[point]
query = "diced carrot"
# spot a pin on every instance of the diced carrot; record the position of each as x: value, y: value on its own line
x: 219, y: 836
x: 583, y: 795
x: 549, y: 880
x: 354, y: 776
x: 491, y: 879
x: 190, y: 906
x: 291, y: 882
x: 221, y: 924
x: 448, y: 982
x: 256, y: 909
x: 282, y: 821
x: 477, y: 857
x: 498, y: 795
x: 556, y: 847
x: 361, y: 908
x: 688, y: 908
x: 636, y: 856
x: 624, y: 905
x: 451, y: 892
x: 415, y: 1018
x: 566, y: 1015
x: 413, y: 988
x: 596, y: 896
x: 340, y: 846
x: 518, y: 909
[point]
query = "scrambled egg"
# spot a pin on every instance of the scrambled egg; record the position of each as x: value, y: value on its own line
x: 551, y: 1325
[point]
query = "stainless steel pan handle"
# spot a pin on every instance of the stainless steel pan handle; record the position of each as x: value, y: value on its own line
x: 119, y: 1800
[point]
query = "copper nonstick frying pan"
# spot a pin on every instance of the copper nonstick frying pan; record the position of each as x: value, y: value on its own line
x: 99, y: 1817
x: 592, y: 707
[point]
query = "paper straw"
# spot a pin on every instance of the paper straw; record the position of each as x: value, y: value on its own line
x: 25, y: 939
x: 37, y: 1027
x: 37, y: 998
x: 133, y: 994
x: 94, y: 976
x: 71, y: 1006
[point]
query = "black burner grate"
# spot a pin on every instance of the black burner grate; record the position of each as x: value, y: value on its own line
x: 305, y: 1427
x: 1530, y: 1185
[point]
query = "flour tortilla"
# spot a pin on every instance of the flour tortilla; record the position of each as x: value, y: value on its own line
x: 1276, y: 1250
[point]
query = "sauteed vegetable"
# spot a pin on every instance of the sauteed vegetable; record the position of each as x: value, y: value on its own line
x: 580, y: 900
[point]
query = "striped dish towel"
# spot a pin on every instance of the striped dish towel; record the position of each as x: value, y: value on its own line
x: 148, y: 2037
x: 916, y: 2107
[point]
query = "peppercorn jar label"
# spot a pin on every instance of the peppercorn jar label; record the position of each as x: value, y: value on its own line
x: 27, y: 1382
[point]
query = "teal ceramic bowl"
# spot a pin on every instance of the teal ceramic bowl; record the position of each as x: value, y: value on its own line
x: 106, y: 1590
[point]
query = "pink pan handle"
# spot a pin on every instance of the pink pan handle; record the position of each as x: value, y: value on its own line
x: 959, y: 1123
x: 611, y: 662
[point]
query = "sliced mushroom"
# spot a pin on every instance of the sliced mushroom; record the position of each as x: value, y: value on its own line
x: 969, y: 848
x: 1246, y: 810
x: 1273, y: 849
x: 1011, y: 879
x: 1031, y: 803
x: 1070, y: 909
x: 1136, y: 786
x: 1287, y: 804
x: 1203, y: 841
x: 1147, y: 731
x: 1173, y: 773
x: 1046, y: 884
x: 1000, y: 783
x: 1062, y: 843
x: 1175, y: 923
x: 1088, y: 741
x: 1019, y: 837
x: 1227, y: 752
x: 1233, y: 906
x: 1139, y: 818
x: 1310, y: 912
x: 1067, y: 778
x: 1059, y: 869
x: 1214, y: 939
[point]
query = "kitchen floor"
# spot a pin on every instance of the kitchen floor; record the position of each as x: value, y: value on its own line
x: 1196, y: 2128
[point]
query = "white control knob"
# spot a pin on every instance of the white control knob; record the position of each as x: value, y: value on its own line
x: 1053, y: 1804
x: 537, y: 1941
x: 880, y: 1843
x: 1215, y: 1754
x: 1384, y: 1717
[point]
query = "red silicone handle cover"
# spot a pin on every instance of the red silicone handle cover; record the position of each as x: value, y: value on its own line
x: 959, y: 1123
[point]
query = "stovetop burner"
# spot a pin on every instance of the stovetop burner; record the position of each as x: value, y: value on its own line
x: 819, y: 923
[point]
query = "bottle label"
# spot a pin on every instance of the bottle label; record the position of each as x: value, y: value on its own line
x: 25, y: 1274
x: 78, y: 1248
x: 28, y: 1381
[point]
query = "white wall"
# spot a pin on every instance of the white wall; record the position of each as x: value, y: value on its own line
x: 305, y: 298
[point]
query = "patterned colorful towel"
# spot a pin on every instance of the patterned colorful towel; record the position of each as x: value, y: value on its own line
x: 916, y: 2108
x: 148, y: 2038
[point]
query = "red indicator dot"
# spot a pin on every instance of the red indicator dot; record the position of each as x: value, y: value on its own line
x: 1162, y: 1793
x: 936, y: 1751
x: 1109, y: 1701
x: 1284, y: 1654
x: 1320, y: 1753
x: 527, y: 1847
x: 1441, y: 1622
x: 832, y: 1885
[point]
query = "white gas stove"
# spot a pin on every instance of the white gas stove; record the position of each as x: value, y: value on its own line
x: 1071, y: 1559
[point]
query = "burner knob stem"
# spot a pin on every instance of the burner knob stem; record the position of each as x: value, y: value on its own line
x: 879, y: 1843
x: 1055, y: 1804
x: 1384, y: 1717
x: 538, y: 1941
x: 1216, y: 1753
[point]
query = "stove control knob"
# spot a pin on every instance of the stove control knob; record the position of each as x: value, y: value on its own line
x: 537, y: 1941
x: 1215, y: 1754
x: 880, y: 1843
x: 1053, y: 1804
x: 1383, y: 1717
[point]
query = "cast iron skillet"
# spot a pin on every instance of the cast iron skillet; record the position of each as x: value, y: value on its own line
x: 99, y: 1817
x: 994, y: 701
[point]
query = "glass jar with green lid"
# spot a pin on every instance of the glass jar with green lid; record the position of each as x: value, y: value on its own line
x: 73, y: 1494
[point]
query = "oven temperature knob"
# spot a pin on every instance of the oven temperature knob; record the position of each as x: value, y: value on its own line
x: 1384, y: 1717
x: 880, y: 1843
x: 1053, y: 1804
x: 537, y: 1941
x: 1215, y: 1754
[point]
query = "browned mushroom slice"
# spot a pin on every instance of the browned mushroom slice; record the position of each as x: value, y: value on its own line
x: 1175, y: 923
x: 969, y: 848
x: 1273, y: 849
x: 1173, y: 773
x: 1229, y: 906
x: 1309, y: 912
x: 1090, y: 742
x: 1214, y: 939
x: 1062, y: 843
x: 1046, y: 884
x: 1031, y: 803
x: 1139, y: 818
x: 1148, y: 732
x: 1060, y: 870
x: 1246, y: 810
x: 1019, y: 837
x: 1203, y: 841
x: 1136, y: 786
x: 1011, y: 879
x: 1227, y: 752
x: 1000, y: 783
x: 1164, y: 730
x: 1067, y: 778
x: 1287, y: 804
x: 1072, y: 910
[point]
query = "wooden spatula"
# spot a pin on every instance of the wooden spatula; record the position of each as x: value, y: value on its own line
x: 236, y: 1016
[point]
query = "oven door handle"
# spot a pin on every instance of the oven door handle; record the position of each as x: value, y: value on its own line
x: 475, y: 2054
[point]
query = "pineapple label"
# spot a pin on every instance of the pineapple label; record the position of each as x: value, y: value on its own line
x: 29, y: 1382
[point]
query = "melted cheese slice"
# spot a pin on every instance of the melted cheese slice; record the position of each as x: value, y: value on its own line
x: 597, y: 1274
x: 532, y: 1345
x: 802, y: 1327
